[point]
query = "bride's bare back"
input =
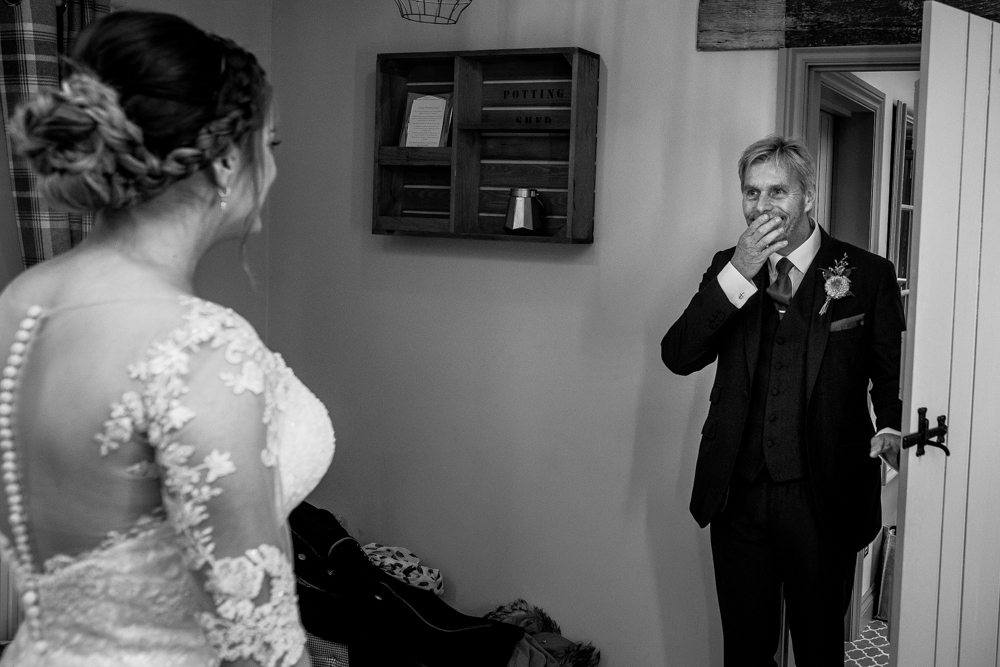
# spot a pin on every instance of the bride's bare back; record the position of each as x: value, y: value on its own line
x: 152, y: 446
x: 149, y: 437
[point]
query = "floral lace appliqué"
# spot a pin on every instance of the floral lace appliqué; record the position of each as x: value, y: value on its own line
x: 127, y: 416
x: 269, y: 632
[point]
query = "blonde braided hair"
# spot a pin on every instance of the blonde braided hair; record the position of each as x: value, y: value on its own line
x: 90, y: 157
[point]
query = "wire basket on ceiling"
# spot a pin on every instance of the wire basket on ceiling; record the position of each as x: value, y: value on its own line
x: 432, y: 11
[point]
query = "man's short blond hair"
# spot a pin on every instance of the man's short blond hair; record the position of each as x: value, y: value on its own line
x: 790, y: 154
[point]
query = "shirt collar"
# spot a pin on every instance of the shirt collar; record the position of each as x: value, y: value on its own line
x: 803, y: 256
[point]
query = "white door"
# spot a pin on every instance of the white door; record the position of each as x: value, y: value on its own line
x: 947, y: 594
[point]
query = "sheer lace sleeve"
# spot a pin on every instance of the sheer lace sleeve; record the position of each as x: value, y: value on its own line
x: 208, y: 400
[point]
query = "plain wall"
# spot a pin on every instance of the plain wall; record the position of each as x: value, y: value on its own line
x: 851, y: 213
x: 501, y: 409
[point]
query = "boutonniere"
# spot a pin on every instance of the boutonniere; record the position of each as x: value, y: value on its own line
x: 838, y: 282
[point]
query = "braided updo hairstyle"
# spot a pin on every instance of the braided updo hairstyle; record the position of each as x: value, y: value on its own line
x: 152, y: 100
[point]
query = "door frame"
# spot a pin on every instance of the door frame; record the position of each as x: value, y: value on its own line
x: 799, y: 86
x: 799, y: 71
x: 872, y: 100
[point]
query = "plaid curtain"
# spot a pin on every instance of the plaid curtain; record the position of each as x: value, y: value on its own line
x: 33, y: 34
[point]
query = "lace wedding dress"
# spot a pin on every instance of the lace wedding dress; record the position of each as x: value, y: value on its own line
x: 152, y: 451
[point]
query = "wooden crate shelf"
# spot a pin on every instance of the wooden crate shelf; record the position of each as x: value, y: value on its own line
x: 395, y: 156
x: 559, y: 126
x: 524, y: 118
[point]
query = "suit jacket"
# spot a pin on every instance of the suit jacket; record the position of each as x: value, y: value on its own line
x: 855, y: 341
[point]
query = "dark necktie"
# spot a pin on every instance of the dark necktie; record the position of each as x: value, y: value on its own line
x: 781, y: 289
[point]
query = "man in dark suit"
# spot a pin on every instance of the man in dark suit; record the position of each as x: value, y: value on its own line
x: 788, y: 472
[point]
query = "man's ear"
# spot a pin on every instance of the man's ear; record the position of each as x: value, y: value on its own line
x: 225, y: 167
x: 810, y: 200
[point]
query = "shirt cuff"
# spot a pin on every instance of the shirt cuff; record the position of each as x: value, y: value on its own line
x: 889, y: 430
x: 736, y: 288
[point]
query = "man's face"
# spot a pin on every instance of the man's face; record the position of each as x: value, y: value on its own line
x: 769, y: 189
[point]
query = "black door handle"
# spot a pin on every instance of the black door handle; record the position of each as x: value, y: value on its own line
x: 925, y: 435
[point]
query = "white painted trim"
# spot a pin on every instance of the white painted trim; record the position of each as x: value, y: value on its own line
x: 799, y: 90
x: 798, y: 86
x: 855, y: 88
x: 824, y: 171
x: 798, y: 69
x: 930, y: 333
x: 980, y: 585
x: 873, y: 99
x: 959, y: 493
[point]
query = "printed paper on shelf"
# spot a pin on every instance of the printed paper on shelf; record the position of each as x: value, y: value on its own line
x: 426, y: 120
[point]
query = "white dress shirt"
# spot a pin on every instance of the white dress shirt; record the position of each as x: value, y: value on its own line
x: 738, y: 289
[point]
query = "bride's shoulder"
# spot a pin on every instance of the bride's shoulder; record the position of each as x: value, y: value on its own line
x: 219, y: 341
x: 26, y: 289
x: 207, y: 321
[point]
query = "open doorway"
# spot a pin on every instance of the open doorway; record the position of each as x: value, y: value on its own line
x: 944, y: 603
x: 849, y: 158
x: 892, y: 216
x: 853, y: 107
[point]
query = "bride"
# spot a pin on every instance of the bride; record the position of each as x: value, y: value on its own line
x: 151, y: 446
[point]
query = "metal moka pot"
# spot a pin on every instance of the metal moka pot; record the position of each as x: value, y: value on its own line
x: 525, y: 213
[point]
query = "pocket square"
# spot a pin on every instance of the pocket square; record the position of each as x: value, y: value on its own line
x: 848, y: 323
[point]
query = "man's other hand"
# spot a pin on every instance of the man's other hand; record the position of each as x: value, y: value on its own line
x: 887, y: 445
x: 762, y: 237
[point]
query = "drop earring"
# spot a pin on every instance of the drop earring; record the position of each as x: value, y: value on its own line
x: 223, y: 194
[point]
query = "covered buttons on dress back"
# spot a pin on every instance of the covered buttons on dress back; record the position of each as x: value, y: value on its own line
x: 12, y: 483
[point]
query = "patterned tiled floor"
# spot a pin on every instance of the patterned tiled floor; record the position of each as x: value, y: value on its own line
x: 871, y: 649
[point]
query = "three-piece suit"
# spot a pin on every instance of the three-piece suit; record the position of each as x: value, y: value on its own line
x: 783, y: 472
